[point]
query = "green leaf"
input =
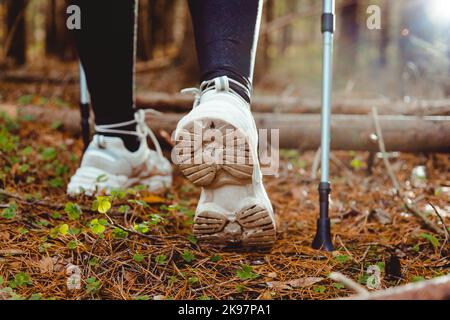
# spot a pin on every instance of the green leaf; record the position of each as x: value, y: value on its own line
x: 192, y: 280
x: 93, y: 262
x: 97, y: 227
x: 63, y: 229
x: 72, y: 245
x: 192, y: 239
x: 432, y: 239
x: 342, y: 258
x: 36, y: 296
x: 356, y: 164
x: 144, y: 297
x: 48, y: 154
x: 124, y: 209
x: 73, y: 211
x: 119, y: 233
x: 319, y: 289
x: 141, y: 227
x: 10, y: 212
x: 215, y: 258
x: 338, y: 285
x: 1, y: 280
x: 418, y: 279
x: 246, y: 273
x: 22, y: 279
x: 188, y: 256
x: 92, y: 285
x: 138, y: 257
x: 56, y: 182
x: 104, y: 204
x: 161, y: 259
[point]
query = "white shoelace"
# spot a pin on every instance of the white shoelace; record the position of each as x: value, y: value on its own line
x: 142, y: 129
x: 217, y: 84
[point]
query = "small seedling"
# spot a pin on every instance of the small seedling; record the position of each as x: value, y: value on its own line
x: 246, y: 273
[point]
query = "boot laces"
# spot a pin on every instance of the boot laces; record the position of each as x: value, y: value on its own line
x: 142, y: 129
x: 219, y: 84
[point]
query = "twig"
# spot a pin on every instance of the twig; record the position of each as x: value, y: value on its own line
x: 349, y: 283
x: 426, y: 222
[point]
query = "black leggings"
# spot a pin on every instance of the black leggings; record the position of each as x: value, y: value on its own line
x: 225, y: 34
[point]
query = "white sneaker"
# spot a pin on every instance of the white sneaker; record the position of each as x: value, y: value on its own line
x: 108, y: 165
x: 234, y: 208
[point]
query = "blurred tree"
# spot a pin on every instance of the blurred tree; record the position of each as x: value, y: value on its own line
x: 349, y: 35
x: 15, y: 31
x: 58, y: 43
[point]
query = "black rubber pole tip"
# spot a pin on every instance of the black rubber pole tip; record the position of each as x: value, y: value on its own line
x: 322, y: 240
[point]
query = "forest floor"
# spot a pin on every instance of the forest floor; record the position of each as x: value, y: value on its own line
x: 138, y: 245
x: 53, y: 246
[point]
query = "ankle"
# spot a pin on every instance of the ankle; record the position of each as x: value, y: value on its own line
x: 131, y: 142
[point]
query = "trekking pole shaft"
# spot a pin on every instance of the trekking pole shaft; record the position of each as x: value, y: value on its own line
x: 327, y: 77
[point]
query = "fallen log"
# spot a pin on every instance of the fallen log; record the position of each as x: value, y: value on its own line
x: 348, y: 132
x: 274, y: 104
x: 435, y: 289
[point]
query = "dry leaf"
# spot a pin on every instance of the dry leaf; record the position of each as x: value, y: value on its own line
x: 46, y: 265
x: 154, y: 199
x: 272, y: 275
x: 266, y: 295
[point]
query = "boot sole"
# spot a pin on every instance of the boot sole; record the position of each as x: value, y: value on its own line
x: 248, y: 226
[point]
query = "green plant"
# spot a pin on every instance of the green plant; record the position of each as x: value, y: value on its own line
x: 10, y: 212
x: 119, y: 233
x: 98, y: 226
x: 432, y: 239
x: 92, y: 285
x: 138, y: 257
x: 246, y: 273
x: 73, y: 211
x: 188, y: 256
x: 101, y: 204
x: 161, y: 259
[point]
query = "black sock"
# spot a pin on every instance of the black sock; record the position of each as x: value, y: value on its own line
x: 131, y: 142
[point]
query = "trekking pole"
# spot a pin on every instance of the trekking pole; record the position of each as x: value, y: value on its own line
x: 322, y: 239
x: 84, y: 108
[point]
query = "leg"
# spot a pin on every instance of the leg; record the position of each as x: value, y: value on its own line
x: 106, y: 47
x: 226, y: 35
x: 118, y: 156
x: 218, y: 140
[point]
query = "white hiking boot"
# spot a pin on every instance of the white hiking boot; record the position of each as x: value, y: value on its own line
x: 217, y: 149
x: 108, y: 165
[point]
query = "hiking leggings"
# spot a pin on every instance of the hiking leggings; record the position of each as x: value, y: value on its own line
x: 226, y: 33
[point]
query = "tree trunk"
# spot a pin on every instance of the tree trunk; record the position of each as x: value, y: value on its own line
x: 15, y: 31
x: 145, y: 41
x: 348, y: 39
x: 348, y: 132
x: 58, y: 42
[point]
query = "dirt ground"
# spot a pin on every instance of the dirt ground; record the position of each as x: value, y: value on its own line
x: 56, y: 247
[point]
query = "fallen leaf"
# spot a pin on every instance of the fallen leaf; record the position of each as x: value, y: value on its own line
x: 46, y: 265
x: 266, y: 295
x: 272, y: 275
x: 154, y: 199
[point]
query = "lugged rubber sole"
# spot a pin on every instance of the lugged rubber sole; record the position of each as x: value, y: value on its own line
x: 212, y: 163
x: 251, y: 227
x: 231, y: 215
